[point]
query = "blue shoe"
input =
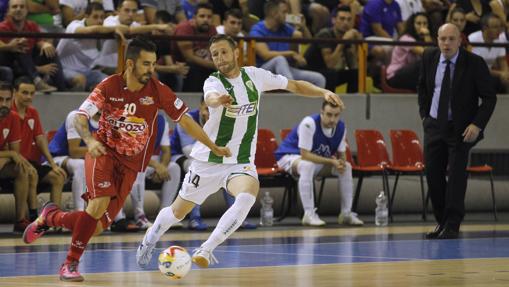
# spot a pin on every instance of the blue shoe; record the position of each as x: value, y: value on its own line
x: 197, y: 224
x: 247, y: 225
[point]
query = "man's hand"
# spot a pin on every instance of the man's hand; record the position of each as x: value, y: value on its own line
x: 299, y: 59
x: 20, y: 161
x: 338, y: 164
x: 17, y: 45
x: 334, y: 99
x: 225, y: 100
x: 59, y: 170
x: 471, y: 133
x: 48, y: 69
x: 95, y: 148
x: 161, y: 173
x: 48, y: 50
x: 181, y: 68
x: 221, y: 151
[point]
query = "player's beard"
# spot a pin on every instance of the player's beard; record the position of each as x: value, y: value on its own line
x: 144, y: 78
x: 203, y: 28
x: 4, y: 111
x: 226, y: 69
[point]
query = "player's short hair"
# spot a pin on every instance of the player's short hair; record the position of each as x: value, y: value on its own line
x: 94, y: 6
x: 207, y: 6
x: 22, y: 80
x: 121, y: 2
x: 486, y: 19
x: 343, y: 8
x: 164, y: 16
x: 5, y: 86
x: 223, y: 37
x: 271, y: 6
x: 138, y: 44
x: 333, y: 105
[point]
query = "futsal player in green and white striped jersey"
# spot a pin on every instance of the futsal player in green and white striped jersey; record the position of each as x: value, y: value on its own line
x: 233, y: 97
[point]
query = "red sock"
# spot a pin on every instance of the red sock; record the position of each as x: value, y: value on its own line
x: 64, y: 219
x: 81, y: 236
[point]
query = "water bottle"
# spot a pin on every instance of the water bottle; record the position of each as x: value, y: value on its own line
x: 381, y: 211
x: 266, y: 212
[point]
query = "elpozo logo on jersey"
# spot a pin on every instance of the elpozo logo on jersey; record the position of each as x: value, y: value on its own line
x: 240, y: 111
x: 131, y: 125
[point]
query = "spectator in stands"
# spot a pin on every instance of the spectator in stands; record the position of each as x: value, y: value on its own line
x: 77, y: 55
x: 403, y: 71
x: 68, y: 152
x: 3, y: 9
x: 476, y: 9
x: 5, y: 73
x: 34, y: 142
x: 436, y: 10
x: 381, y: 18
x: 191, y: 7
x: 232, y: 23
x: 173, y: 7
x: 12, y: 165
x: 221, y: 6
x: 317, y: 13
x: 43, y: 12
x: 19, y: 53
x: 317, y: 146
x: 409, y: 7
x: 338, y: 62
x: 169, y: 72
x: 196, y: 53
x: 72, y: 10
x: 126, y: 11
x: 277, y: 57
x: 181, y: 146
x: 160, y: 170
x: 495, y: 57
x: 457, y: 17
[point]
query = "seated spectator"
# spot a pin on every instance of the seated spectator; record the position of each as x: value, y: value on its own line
x: 436, y: 10
x: 160, y: 170
x: 172, y: 7
x: 381, y: 18
x: 476, y: 9
x: 126, y: 11
x: 277, y: 57
x: 77, y: 55
x: 221, y: 6
x: 3, y: 9
x: 457, y: 17
x: 338, y: 62
x: 317, y: 14
x: 310, y: 150
x: 196, y: 53
x: 356, y: 8
x: 34, y: 142
x: 72, y: 10
x: 409, y: 7
x: 232, y: 24
x: 43, y: 12
x: 169, y: 72
x: 6, y: 73
x: 181, y: 146
x: 20, y: 54
x: 403, y: 71
x: 12, y: 165
x: 68, y: 152
x: 495, y: 57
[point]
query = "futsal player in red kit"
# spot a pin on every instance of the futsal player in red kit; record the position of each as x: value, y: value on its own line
x: 122, y: 147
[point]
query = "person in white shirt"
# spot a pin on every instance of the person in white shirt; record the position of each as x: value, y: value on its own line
x: 72, y: 10
x: 77, y: 55
x: 492, y: 29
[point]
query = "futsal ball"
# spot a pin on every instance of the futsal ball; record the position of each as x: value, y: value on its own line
x: 174, y: 262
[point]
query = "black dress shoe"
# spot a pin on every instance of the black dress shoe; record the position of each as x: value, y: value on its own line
x: 448, y: 233
x: 434, y: 234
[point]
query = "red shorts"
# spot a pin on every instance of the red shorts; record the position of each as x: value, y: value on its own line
x: 106, y: 176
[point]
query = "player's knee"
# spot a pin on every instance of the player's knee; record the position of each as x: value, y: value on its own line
x: 97, y: 207
x: 98, y: 228
x: 54, y: 178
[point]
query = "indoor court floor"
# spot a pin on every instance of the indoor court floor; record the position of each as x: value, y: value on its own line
x: 294, y: 256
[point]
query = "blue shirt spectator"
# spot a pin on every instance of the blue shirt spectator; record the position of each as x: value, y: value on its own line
x: 260, y: 30
x: 380, y: 12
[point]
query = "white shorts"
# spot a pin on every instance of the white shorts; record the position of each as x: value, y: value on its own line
x: 286, y: 162
x: 59, y: 160
x: 204, y: 179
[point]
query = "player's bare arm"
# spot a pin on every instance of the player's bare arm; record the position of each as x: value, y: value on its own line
x: 95, y: 148
x: 313, y: 157
x: 215, y: 100
x: 309, y: 90
x: 194, y: 130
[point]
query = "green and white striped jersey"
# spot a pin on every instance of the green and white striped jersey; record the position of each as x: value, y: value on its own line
x: 236, y: 126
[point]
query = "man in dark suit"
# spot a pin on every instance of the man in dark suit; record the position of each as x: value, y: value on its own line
x: 451, y: 83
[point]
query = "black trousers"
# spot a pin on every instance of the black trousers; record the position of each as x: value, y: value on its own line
x: 446, y: 159
x: 335, y: 78
x: 406, y: 77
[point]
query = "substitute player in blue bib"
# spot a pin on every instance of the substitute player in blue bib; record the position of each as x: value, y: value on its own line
x: 317, y: 147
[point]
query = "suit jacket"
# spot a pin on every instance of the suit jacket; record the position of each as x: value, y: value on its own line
x: 471, y: 81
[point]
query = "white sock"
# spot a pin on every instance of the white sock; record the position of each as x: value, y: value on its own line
x: 120, y: 215
x: 345, y: 186
x: 137, y: 195
x: 165, y: 219
x: 77, y: 168
x: 170, y: 187
x: 230, y: 221
x: 306, y: 170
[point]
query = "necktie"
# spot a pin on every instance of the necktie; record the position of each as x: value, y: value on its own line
x: 445, y: 92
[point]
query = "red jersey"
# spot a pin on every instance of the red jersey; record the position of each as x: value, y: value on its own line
x: 128, y: 123
x: 9, y: 130
x: 30, y: 129
x: 30, y: 26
